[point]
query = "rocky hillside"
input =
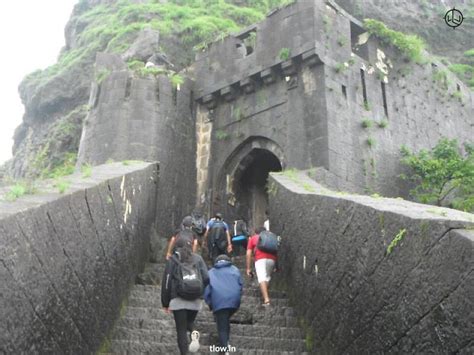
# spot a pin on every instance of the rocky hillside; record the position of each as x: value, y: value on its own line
x: 56, y: 98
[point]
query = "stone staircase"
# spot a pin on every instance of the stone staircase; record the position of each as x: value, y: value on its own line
x: 145, y: 328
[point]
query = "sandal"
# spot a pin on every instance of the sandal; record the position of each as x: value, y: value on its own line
x: 266, y: 304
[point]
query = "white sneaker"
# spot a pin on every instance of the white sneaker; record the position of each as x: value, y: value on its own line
x: 194, y: 346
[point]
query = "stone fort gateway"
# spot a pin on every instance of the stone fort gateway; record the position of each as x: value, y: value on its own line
x: 288, y: 93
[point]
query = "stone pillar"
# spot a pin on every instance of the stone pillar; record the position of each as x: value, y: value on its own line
x: 203, y: 152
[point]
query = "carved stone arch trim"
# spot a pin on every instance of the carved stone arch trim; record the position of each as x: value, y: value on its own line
x: 241, y: 158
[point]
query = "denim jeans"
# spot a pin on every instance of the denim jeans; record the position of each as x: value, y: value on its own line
x: 223, y: 324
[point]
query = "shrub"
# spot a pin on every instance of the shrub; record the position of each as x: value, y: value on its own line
x: 371, y: 142
x: 367, y: 123
x: 284, y: 54
x: 383, y: 123
x: 20, y: 189
x: 411, y: 46
x: 176, y: 80
x: 443, y: 175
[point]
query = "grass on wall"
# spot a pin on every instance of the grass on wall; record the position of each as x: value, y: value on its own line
x: 411, y: 46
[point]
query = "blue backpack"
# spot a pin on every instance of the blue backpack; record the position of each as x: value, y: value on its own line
x: 268, y: 242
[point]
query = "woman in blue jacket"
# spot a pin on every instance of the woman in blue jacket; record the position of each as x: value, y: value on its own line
x: 223, y: 295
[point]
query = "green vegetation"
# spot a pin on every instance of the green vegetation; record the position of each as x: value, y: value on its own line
x: 21, y: 188
x: 284, y: 54
x: 367, y: 106
x: 102, y: 75
x: 62, y: 185
x: 371, y: 142
x: 341, y: 41
x: 383, y: 123
x: 465, y: 69
x: 271, y: 189
x: 237, y: 113
x: 176, y: 80
x: 86, y: 170
x: 222, y: 135
x: 457, y: 95
x: 441, y: 78
x: 444, y: 176
x: 411, y: 46
x: 291, y: 173
x: 113, y: 27
x: 398, y: 238
x: 340, y: 67
x: 367, y: 123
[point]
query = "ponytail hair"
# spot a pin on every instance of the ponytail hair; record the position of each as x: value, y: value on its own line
x: 184, y: 250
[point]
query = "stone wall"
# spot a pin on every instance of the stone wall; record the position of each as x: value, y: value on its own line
x: 312, y: 101
x: 405, y: 103
x: 67, y: 261
x: 360, y: 292
x: 144, y: 118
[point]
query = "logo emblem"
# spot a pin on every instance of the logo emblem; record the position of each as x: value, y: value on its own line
x: 453, y: 18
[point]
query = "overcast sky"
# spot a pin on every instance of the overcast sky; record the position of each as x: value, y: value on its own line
x: 31, y: 36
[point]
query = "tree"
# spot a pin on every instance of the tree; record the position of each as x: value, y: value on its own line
x: 444, y: 175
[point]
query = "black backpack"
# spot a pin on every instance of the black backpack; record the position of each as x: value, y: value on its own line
x: 188, y: 278
x: 199, y: 224
x: 268, y: 242
x: 218, y: 235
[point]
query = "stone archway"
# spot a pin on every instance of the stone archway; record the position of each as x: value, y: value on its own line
x: 242, y: 180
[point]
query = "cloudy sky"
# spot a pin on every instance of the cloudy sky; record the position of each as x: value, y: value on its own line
x: 31, y: 36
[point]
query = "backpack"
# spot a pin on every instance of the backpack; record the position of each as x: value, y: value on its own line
x: 218, y: 235
x: 199, y: 224
x: 240, y: 228
x: 268, y: 242
x: 189, y: 283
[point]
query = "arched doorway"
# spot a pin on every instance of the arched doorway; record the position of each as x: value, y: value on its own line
x: 243, y: 179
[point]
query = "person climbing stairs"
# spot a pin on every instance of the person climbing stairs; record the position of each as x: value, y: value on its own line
x: 145, y: 328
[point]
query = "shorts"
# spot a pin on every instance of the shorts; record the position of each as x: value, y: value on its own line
x: 264, y: 268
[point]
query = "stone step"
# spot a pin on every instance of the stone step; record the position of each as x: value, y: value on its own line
x: 274, y: 316
x: 160, y: 325
x: 154, y: 300
x: 246, y: 310
x: 137, y: 347
x: 248, y: 291
x: 169, y: 337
